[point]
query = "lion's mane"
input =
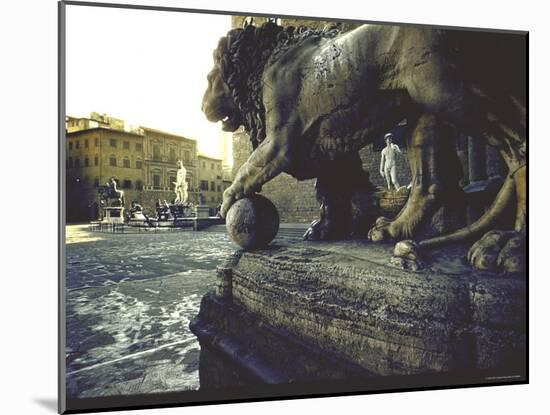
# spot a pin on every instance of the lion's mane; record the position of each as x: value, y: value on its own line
x: 243, y: 54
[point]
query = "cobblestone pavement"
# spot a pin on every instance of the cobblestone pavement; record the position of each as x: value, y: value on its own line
x: 129, y: 301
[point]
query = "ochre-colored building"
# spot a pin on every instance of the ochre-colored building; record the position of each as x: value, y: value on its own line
x: 95, y: 155
x: 211, y: 184
x: 98, y: 154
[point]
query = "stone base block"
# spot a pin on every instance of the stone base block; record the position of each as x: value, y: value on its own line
x: 317, y: 311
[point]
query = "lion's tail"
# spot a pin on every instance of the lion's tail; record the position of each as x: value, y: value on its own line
x: 502, y: 202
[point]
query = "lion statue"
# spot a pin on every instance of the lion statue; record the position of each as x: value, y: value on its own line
x: 311, y: 99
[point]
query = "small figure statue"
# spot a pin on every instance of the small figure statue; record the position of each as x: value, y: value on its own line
x: 163, y: 210
x: 110, y: 191
x: 136, y: 207
x: 181, y: 185
x: 388, y: 168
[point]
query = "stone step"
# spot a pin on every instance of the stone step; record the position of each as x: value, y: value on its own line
x: 287, y: 231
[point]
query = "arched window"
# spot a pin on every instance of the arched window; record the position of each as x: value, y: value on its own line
x: 126, y: 162
x: 112, y: 161
x: 139, y: 164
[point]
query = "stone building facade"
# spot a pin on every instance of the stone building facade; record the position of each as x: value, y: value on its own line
x: 95, y: 120
x: 211, y: 184
x: 95, y: 155
x: 162, y: 151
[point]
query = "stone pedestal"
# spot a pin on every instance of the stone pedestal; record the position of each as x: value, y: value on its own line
x: 318, y: 311
x: 113, y: 214
x: 203, y: 211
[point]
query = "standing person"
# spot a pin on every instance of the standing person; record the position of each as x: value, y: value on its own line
x: 388, y: 166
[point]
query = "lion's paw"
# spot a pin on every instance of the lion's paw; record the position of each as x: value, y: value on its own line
x: 407, y: 255
x: 381, y: 230
x: 499, y: 251
x: 317, y: 231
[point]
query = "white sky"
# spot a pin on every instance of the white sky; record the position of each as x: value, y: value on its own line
x: 143, y: 66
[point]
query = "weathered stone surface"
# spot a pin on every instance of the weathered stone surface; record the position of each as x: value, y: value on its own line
x: 342, y: 299
x: 240, y: 348
x: 252, y: 222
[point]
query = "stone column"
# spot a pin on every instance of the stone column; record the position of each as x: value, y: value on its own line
x: 462, y: 153
x: 496, y: 168
x: 476, y: 160
x: 476, y: 172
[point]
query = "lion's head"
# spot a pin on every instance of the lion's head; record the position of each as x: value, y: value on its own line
x: 234, y: 84
x: 218, y: 103
x: 234, y: 94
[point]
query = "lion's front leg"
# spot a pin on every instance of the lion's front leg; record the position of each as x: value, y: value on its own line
x: 435, y: 171
x: 346, y: 198
x: 267, y: 161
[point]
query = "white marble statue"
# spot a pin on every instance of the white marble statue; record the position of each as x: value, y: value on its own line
x: 388, y: 166
x: 181, y: 185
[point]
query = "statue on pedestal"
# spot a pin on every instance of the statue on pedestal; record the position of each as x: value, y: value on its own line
x: 110, y: 191
x: 181, y: 185
x: 388, y: 167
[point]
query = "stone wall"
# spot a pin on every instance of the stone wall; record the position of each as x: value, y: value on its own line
x: 295, y: 200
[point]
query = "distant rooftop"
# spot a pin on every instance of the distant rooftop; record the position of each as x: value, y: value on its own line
x: 209, y: 158
x: 86, y: 130
x: 154, y: 130
x: 106, y: 122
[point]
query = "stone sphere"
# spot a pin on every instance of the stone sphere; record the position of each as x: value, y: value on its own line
x: 252, y: 222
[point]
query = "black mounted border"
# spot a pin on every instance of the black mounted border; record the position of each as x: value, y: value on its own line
x: 348, y: 387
